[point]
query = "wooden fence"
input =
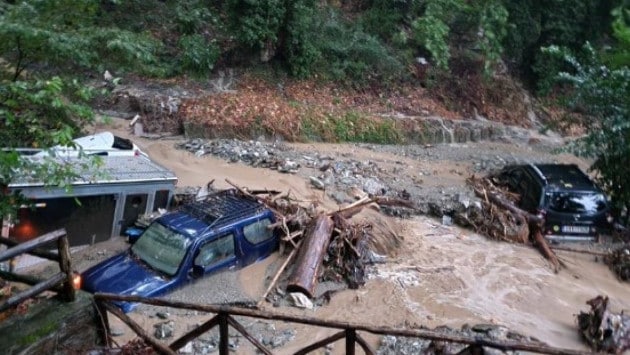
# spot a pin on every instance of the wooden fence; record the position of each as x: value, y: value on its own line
x: 60, y: 282
x: 350, y: 332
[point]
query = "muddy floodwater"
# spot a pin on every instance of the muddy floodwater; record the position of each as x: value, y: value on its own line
x: 440, y: 275
x: 449, y: 276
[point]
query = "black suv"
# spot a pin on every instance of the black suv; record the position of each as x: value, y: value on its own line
x: 573, y: 207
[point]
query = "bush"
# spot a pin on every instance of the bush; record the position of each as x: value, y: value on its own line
x: 198, y: 56
x: 600, y: 96
x: 350, y: 54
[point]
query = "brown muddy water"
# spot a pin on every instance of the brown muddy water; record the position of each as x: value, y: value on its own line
x: 441, y: 275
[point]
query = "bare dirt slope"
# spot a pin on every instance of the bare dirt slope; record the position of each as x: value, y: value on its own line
x: 441, y: 275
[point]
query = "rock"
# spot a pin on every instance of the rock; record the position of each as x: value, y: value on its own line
x: 374, y: 187
x: 164, y: 329
x: 300, y: 300
x: 288, y: 166
x: 116, y: 332
x: 317, y: 183
x: 187, y: 349
x: 162, y: 315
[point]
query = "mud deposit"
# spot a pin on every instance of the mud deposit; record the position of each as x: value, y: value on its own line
x: 440, y: 275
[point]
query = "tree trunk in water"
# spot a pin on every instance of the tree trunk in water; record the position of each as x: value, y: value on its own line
x: 311, y: 256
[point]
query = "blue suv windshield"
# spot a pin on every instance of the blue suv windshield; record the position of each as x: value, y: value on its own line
x: 576, y: 202
x: 161, y: 248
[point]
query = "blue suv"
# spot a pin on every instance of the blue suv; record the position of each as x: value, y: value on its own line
x: 226, y: 230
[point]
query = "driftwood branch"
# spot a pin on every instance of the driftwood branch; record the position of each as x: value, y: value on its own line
x: 280, y: 271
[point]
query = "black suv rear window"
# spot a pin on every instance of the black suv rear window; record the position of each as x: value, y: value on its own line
x: 576, y: 202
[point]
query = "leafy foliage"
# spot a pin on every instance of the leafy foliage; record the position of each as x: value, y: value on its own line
x: 191, y: 16
x: 62, y: 33
x: 602, y: 96
x: 299, y: 48
x: 351, y: 127
x: 38, y: 115
x: 352, y: 55
x: 535, y: 24
x: 198, y: 55
x: 620, y: 55
x: 257, y: 23
x: 493, y: 19
x: 432, y: 29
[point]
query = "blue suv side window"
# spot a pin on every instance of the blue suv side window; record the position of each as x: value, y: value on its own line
x: 215, y: 251
x: 258, y: 231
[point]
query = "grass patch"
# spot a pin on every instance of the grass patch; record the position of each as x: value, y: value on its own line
x: 350, y: 127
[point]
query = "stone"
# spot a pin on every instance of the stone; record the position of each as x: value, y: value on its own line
x: 116, y: 332
x: 164, y: 330
x: 162, y: 315
x: 300, y: 300
x: 374, y: 187
x: 317, y: 183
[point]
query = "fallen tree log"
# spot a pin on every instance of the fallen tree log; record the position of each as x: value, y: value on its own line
x: 311, y: 255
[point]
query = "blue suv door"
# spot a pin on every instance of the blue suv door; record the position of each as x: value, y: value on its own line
x: 217, y: 254
x: 258, y: 240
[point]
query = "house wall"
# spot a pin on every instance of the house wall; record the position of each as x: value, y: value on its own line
x: 90, y: 213
x: 87, y: 219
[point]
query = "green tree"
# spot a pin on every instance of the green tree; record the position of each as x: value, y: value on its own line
x: 257, y: 24
x: 601, y: 96
x: 34, y: 115
x: 64, y: 34
x: 39, y: 111
x: 534, y: 24
x: 620, y: 54
x: 432, y: 29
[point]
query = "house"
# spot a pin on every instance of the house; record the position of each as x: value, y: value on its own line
x: 100, y: 203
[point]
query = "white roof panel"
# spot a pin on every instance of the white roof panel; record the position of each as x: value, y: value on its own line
x: 113, y: 170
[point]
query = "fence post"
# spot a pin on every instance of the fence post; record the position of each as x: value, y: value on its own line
x: 224, y: 338
x: 101, y: 313
x: 66, y: 268
x: 351, y: 338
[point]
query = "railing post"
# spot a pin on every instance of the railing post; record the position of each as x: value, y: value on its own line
x: 224, y: 338
x: 66, y: 268
x: 351, y: 338
x: 101, y: 313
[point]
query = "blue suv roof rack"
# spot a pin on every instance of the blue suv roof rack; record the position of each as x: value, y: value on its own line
x: 223, y: 207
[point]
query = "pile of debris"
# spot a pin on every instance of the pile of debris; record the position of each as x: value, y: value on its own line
x: 324, y: 246
x: 500, y: 218
x: 619, y: 262
x: 604, y: 330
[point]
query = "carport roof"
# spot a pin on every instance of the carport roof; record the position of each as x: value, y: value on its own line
x: 108, y: 170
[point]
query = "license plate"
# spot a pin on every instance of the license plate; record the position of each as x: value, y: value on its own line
x: 576, y: 229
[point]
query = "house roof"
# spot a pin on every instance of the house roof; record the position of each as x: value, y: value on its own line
x: 108, y: 170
